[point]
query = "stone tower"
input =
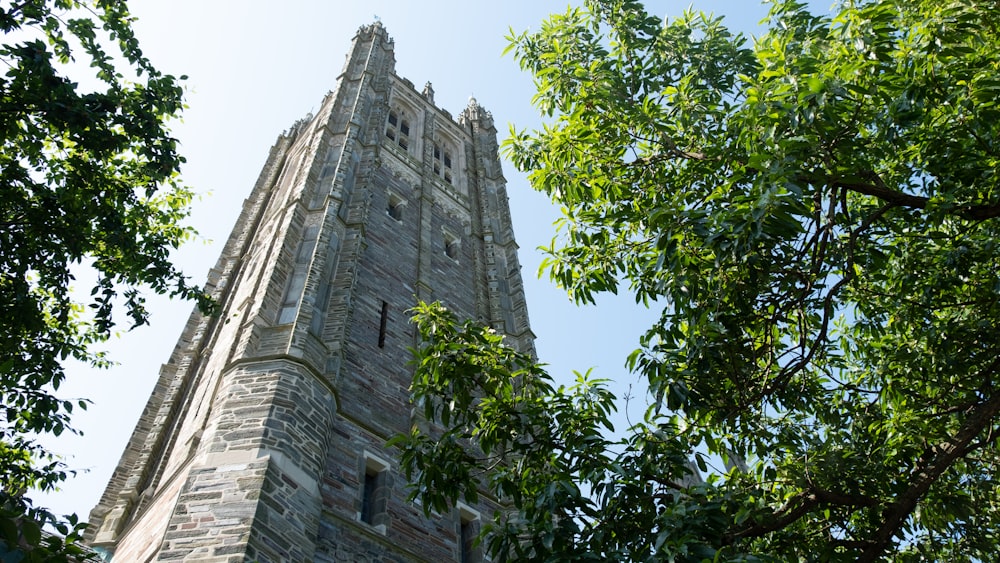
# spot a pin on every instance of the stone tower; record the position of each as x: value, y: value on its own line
x: 264, y: 438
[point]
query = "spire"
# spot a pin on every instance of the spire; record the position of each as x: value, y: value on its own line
x: 375, y: 28
x: 474, y: 112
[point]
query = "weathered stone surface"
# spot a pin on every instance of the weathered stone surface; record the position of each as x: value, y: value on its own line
x: 264, y: 439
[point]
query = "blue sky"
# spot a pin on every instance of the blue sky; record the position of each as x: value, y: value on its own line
x: 256, y: 67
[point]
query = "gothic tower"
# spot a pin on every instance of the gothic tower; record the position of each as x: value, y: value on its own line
x: 264, y: 438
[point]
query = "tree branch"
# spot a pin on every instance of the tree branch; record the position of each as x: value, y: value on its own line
x: 944, y: 455
x: 881, y: 191
x: 799, y: 506
x: 877, y: 188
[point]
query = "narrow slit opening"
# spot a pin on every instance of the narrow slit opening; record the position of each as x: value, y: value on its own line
x: 382, y: 324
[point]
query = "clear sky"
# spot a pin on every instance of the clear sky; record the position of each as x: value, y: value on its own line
x: 256, y: 67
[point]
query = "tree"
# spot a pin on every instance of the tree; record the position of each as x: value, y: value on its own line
x: 817, y: 213
x: 88, y: 180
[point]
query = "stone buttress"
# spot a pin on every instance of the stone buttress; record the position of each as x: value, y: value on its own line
x: 263, y: 439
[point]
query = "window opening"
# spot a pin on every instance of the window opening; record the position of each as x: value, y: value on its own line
x: 452, y: 246
x: 382, y: 324
x: 442, y: 163
x: 375, y: 487
x: 467, y: 540
x: 468, y: 533
x: 390, y: 130
x: 398, y: 129
x: 368, y: 496
x: 395, y: 208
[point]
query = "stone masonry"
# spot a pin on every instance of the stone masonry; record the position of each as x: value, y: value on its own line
x: 264, y: 438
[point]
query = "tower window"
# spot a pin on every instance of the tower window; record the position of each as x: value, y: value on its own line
x: 370, y: 490
x: 390, y: 129
x: 382, y: 324
x: 375, y: 487
x: 452, y: 246
x: 442, y: 162
x: 398, y: 129
x: 468, y: 534
x: 395, y: 207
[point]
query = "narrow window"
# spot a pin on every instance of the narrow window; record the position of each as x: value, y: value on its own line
x: 442, y: 163
x: 382, y: 323
x: 397, y: 128
x: 375, y: 486
x: 368, y: 493
x: 468, y: 534
x: 452, y: 246
x: 467, y: 538
x: 390, y: 130
x: 437, y: 159
x: 395, y: 208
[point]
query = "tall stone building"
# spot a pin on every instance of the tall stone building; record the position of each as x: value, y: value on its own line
x: 264, y: 438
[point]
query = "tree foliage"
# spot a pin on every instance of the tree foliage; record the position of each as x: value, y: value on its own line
x: 88, y: 179
x: 817, y: 212
x: 496, y: 424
